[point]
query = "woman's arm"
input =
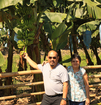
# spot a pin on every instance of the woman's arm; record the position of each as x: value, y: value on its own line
x: 85, y: 77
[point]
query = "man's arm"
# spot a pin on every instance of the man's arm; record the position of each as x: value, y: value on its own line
x: 30, y: 61
x: 65, y: 91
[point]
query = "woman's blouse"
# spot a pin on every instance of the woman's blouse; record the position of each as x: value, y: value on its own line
x: 76, y: 90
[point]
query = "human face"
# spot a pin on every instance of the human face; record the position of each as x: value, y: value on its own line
x: 52, y: 59
x: 75, y: 63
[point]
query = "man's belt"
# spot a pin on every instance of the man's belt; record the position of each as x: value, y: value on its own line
x: 54, y: 95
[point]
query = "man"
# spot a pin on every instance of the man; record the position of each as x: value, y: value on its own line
x: 55, y: 79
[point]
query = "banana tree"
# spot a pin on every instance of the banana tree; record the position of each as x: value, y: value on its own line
x: 83, y: 12
x: 95, y: 43
x: 6, y: 17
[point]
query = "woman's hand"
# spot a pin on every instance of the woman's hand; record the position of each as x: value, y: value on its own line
x: 87, y: 101
x: 44, y: 62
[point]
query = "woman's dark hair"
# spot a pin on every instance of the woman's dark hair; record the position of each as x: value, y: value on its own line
x: 76, y: 56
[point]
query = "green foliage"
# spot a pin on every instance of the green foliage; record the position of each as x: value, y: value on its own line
x: 14, y: 65
x: 66, y: 58
x: 3, y: 37
x: 6, y: 3
x: 61, y: 40
x: 93, y: 9
x: 2, y: 60
x: 42, y: 4
x: 99, y: 1
x: 54, y: 17
x: 58, y: 31
x: 21, y: 44
x: 26, y: 25
x: 92, y: 25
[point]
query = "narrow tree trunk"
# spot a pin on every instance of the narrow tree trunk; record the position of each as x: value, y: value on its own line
x: 70, y: 48
x: 96, y: 54
x: 22, y: 64
x: 45, y: 44
x: 1, y: 91
x: 86, y: 52
x: 59, y: 54
x: 30, y: 53
x: 9, y: 63
x: 74, y: 41
x: 34, y: 53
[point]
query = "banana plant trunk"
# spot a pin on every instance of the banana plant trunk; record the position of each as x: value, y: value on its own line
x: 60, y: 56
x: 10, y: 61
x: 22, y: 64
x: 89, y: 62
x: 34, y: 53
x: 94, y: 48
x: 1, y: 84
x: 44, y: 45
x: 74, y: 40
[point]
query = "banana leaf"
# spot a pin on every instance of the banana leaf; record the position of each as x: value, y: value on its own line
x: 92, y: 25
x: 2, y: 60
x: 99, y: 1
x: 61, y: 41
x: 93, y: 10
x: 59, y: 30
x: 95, y: 33
x: 53, y: 17
x: 48, y: 28
x: 7, y: 3
x: 1, y: 25
x: 75, y: 0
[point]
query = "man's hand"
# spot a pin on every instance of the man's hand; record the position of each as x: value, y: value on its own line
x: 63, y: 102
x: 25, y: 55
x: 30, y: 61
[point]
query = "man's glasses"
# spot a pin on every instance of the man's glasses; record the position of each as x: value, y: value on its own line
x: 52, y: 57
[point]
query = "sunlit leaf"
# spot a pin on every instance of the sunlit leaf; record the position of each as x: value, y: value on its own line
x: 55, y: 3
x: 95, y: 33
x: 2, y: 60
x: 6, y: 3
x: 1, y: 25
x: 93, y: 10
x: 16, y: 29
x: 92, y: 25
x: 55, y: 17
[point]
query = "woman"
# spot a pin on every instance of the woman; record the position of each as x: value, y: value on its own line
x: 78, y: 93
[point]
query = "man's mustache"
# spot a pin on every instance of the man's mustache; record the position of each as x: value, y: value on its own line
x: 52, y: 61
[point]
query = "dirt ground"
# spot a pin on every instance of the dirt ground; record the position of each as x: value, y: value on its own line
x: 26, y: 100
